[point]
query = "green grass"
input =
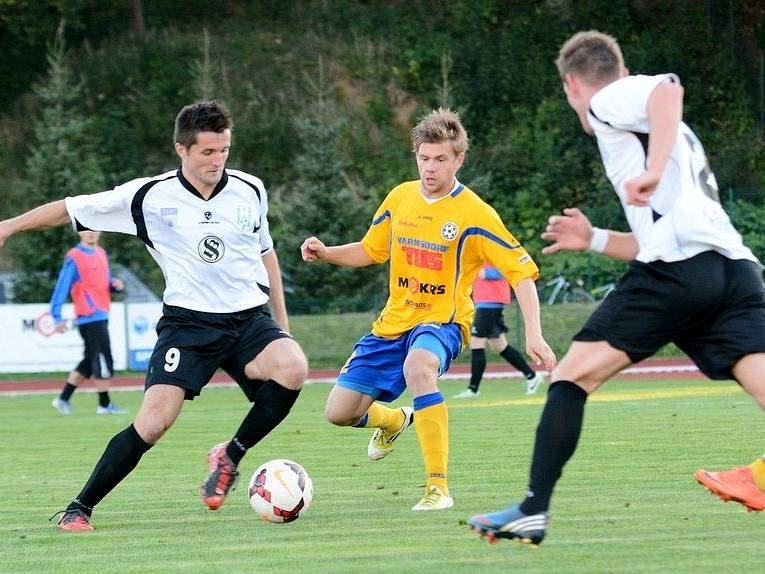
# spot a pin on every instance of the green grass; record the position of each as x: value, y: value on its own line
x: 627, y: 501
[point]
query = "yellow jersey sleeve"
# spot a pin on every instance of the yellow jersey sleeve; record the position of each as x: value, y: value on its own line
x: 503, y: 250
x: 376, y: 242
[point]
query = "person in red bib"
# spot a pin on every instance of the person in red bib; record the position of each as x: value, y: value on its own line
x: 491, y: 292
x: 85, y: 275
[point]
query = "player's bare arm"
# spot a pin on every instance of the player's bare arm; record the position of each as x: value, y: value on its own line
x: 572, y: 231
x: 276, y: 292
x: 536, y: 347
x: 348, y: 255
x: 665, y: 111
x: 49, y: 215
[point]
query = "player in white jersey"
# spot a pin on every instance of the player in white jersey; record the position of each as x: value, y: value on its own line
x: 206, y: 227
x: 691, y: 280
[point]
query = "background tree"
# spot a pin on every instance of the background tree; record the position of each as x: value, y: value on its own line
x: 326, y: 203
x: 61, y: 162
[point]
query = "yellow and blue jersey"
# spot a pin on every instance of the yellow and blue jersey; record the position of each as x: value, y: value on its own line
x: 435, y: 249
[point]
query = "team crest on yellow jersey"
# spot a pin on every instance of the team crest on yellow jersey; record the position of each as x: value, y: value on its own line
x: 449, y: 231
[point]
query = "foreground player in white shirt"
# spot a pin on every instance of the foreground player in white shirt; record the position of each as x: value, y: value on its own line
x: 206, y: 227
x: 691, y: 279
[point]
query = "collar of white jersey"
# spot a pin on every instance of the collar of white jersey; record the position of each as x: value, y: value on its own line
x: 218, y: 187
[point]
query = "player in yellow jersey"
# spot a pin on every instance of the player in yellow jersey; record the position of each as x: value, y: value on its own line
x: 436, y: 233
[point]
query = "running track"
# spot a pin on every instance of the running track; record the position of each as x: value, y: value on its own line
x: 679, y: 368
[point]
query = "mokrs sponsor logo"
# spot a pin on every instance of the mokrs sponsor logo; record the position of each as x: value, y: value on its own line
x: 423, y: 258
x: 419, y: 305
x: 211, y: 249
x: 415, y: 286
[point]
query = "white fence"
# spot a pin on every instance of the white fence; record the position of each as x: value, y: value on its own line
x: 29, y: 343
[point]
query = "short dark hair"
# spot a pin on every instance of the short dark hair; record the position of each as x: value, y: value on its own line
x: 593, y: 56
x: 200, y: 117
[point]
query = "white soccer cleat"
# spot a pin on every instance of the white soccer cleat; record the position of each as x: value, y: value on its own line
x: 434, y: 499
x: 62, y: 406
x: 533, y: 384
x: 467, y: 394
x: 381, y: 443
x: 110, y: 409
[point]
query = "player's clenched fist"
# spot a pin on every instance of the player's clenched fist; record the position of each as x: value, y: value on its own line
x: 313, y: 249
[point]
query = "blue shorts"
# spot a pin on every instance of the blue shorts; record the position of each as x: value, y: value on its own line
x: 376, y: 366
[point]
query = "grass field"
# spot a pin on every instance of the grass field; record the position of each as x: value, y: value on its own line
x: 627, y: 501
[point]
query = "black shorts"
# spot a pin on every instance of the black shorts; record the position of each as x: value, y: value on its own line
x: 711, y: 307
x: 488, y: 323
x: 192, y: 345
x: 97, y: 359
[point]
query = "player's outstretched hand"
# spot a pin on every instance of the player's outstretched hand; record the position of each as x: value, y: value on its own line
x: 571, y: 231
x: 540, y: 352
x: 313, y: 249
x: 640, y: 189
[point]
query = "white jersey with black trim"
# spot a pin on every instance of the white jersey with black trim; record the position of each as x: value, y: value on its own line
x: 210, y: 251
x: 684, y: 217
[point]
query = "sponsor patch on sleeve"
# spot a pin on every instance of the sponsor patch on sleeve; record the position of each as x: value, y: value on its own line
x: 524, y: 258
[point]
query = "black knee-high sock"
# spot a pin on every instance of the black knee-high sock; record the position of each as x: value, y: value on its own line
x: 477, y: 367
x: 557, y: 437
x: 120, y: 457
x: 272, y: 403
x: 67, y: 392
x: 514, y: 357
x: 103, y: 399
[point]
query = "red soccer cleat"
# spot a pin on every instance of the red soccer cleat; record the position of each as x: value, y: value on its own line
x: 222, y: 477
x: 74, y: 521
x: 736, y: 484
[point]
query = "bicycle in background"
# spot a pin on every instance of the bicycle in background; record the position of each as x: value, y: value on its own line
x: 561, y: 290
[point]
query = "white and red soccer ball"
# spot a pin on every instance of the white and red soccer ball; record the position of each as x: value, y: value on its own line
x: 280, y: 491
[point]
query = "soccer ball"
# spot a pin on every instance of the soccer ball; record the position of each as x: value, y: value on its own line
x: 280, y: 491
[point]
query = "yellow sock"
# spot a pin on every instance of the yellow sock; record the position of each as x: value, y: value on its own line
x: 758, y: 472
x: 382, y: 417
x: 432, y: 426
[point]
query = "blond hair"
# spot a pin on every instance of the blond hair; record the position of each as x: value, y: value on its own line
x: 438, y: 126
x: 592, y: 56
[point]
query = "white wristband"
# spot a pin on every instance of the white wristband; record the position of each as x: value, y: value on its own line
x: 599, y: 240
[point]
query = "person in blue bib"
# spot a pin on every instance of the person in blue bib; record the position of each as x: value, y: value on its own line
x: 86, y: 277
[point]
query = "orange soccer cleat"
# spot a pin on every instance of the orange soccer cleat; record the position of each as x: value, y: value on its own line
x: 736, y: 484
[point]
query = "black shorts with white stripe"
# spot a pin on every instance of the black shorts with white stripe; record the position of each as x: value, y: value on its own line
x: 192, y: 345
x: 711, y: 307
